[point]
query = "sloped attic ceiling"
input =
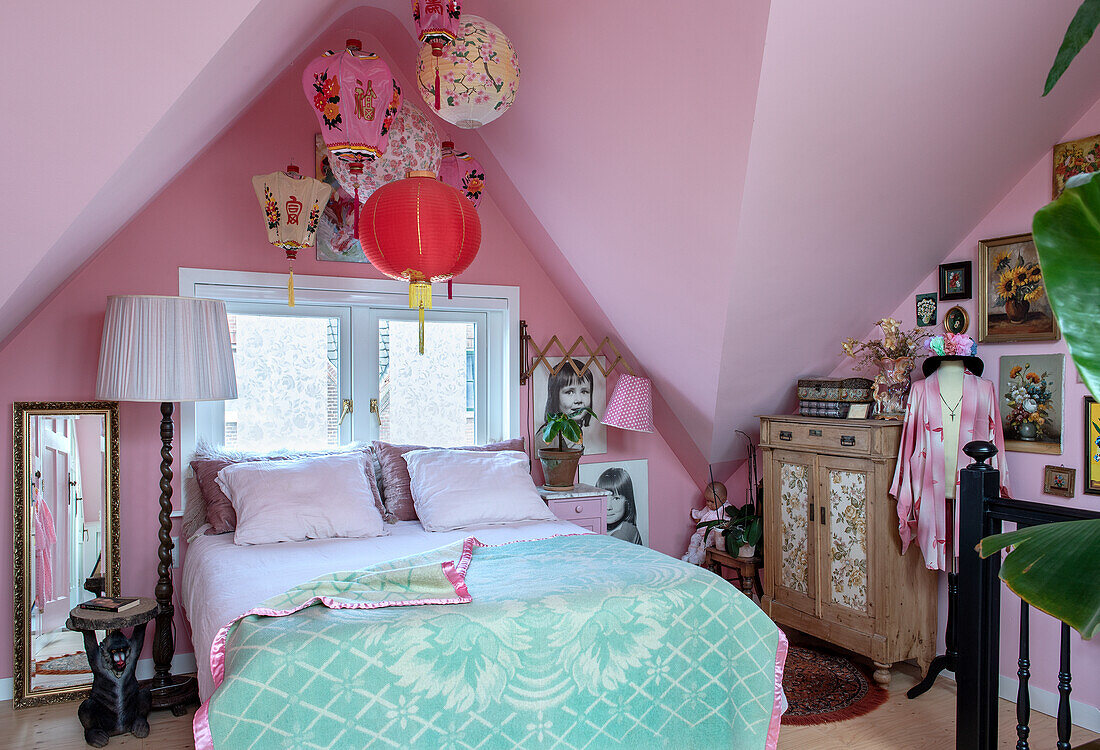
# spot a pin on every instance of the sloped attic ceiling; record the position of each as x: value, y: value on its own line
x: 726, y: 203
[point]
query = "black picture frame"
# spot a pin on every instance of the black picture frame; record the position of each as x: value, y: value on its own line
x: 966, y: 267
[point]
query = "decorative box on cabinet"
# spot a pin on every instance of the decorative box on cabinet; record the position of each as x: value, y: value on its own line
x: 833, y: 562
x: 583, y: 505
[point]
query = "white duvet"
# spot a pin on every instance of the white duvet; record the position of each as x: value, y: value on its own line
x: 222, y: 580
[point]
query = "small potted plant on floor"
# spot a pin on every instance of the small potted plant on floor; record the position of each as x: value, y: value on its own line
x: 559, y: 465
x: 741, y: 529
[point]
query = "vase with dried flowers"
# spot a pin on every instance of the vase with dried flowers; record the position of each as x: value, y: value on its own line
x: 894, y: 355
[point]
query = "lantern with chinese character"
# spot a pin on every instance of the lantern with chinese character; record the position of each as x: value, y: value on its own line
x: 436, y: 26
x: 355, y: 99
x: 478, y: 75
x: 413, y: 145
x: 292, y: 206
x: 419, y: 230
x: 462, y: 172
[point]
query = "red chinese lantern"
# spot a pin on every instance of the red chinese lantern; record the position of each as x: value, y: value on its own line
x: 419, y: 230
x: 355, y: 99
x: 437, y: 26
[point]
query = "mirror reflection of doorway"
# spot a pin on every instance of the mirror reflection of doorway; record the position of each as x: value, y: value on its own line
x: 68, y: 457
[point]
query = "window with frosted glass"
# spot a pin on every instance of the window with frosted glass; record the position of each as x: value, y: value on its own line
x: 430, y: 398
x: 287, y: 383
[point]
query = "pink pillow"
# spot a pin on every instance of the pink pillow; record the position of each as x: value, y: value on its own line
x: 395, y: 472
x: 219, y: 511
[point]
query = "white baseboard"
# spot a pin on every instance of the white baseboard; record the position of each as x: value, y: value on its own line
x: 181, y: 664
x: 1044, y: 701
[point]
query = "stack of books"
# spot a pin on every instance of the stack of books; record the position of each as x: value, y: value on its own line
x: 832, y: 397
x: 834, y: 409
x: 112, y: 603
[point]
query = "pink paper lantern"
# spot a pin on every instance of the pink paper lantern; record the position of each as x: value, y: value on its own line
x: 631, y: 405
x: 413, y: 146
x: 355, y: 99
x: 462, y: 172
x: 437, y: 22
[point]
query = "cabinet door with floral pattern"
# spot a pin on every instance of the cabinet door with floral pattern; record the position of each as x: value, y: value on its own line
x: 844, y: 487
x: 792, y: 545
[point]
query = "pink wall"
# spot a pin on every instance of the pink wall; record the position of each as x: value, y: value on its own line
x: 1012, y: 215
x: 208, y: 218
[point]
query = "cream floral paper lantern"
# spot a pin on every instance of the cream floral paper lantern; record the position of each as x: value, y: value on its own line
x: 479, y: 75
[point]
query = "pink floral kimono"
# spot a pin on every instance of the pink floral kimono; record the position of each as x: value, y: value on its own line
x: 919, y: 478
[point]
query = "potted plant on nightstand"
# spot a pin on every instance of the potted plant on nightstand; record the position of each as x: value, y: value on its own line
x: 741, y: 529
x: 559, y: 465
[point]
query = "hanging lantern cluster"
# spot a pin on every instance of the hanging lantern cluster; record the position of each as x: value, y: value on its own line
x: 462, y: 172
x: 419, y: 230
x: 355, y: 98
x: 292, y: 206
x: 413, y: 145
x: 475, y: 79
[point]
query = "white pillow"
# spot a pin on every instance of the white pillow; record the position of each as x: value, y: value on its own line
x: 455, y: 489
x: 306, y: 498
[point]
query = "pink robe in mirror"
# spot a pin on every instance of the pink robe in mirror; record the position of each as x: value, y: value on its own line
x: 919, y: 478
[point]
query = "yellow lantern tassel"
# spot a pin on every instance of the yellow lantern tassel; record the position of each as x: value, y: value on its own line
x: 290, y: 288
x: 420, y: 297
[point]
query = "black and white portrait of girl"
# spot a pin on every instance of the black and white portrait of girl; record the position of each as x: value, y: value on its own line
x: 628, y: 503
x: 567, y: 391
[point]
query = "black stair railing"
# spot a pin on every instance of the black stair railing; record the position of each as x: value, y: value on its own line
x: 982, y: 511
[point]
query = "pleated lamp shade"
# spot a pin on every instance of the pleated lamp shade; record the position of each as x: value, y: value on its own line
x: 165, y: 349
x: 631, y: 405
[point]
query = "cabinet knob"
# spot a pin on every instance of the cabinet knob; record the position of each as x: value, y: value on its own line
x: 578, y: 509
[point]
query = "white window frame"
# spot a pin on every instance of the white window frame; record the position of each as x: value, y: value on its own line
x: 500, y: 304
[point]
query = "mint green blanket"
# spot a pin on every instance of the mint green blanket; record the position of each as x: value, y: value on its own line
x: 574, y: 642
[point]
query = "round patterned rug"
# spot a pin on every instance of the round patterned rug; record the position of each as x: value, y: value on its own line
x: 822, y: 687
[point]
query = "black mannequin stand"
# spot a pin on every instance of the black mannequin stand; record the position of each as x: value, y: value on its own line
x: 949, y: 659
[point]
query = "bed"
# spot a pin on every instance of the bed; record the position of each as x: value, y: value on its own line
x: 553, y: 647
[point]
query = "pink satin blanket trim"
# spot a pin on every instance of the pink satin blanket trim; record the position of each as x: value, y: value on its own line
x: 777, y: 707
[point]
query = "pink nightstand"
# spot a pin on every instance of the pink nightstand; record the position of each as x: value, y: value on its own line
x: 583, y: 505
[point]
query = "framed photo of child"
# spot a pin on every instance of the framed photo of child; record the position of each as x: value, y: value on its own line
x: 566, y: 391
x: 628, y: 504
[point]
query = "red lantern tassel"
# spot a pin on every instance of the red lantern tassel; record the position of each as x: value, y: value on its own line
x: 436, y: 59
x: 450, y: 293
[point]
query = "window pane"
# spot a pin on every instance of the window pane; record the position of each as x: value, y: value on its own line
x: 429, y: 398
x: 287, y: 383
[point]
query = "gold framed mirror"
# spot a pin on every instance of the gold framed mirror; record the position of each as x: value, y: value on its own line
x: 66, y: 539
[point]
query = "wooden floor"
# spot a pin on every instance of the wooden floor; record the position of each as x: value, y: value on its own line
x: 927, y: 723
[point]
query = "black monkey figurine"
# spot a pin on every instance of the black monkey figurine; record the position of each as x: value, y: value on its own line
x: 117, y: 704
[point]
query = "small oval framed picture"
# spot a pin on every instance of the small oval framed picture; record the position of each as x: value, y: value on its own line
x: 956, y: 320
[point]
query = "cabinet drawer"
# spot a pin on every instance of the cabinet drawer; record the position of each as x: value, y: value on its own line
x: 592, y: 524
x: 835, y: 437
x: 573, y: 509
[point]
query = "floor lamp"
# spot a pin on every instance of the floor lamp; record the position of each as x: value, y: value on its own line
x: 166, y: 349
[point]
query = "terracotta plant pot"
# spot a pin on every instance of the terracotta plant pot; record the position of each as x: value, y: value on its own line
x: 1017, y: 311
x: 559, y: 468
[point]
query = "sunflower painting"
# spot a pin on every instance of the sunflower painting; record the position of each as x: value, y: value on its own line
x: 1012, y: 298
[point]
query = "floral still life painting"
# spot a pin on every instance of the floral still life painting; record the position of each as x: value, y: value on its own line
x: 1031, y: 396
x: 1012, y: 298
x: 1059, y: 480
x: 1092, y: 446
x: 926, y: 309
x: 1071, y: 158
x: 336, y: 232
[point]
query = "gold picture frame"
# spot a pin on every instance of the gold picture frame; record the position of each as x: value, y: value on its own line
x: 1059, y: 480
x: 1011, y: 265
x: 1092, y: 446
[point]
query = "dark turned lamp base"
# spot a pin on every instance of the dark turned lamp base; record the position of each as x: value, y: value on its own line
x: 182, y: 691
x: 168, y: 691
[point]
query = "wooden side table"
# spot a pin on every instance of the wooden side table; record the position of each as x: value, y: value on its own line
x: 583, y: 505
x: 118, y: 705
x: 748, y: 569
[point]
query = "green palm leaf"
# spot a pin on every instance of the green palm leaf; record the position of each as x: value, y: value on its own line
x: 1054, y: 568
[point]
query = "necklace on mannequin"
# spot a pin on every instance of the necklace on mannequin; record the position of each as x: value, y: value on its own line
x: 951, y: 410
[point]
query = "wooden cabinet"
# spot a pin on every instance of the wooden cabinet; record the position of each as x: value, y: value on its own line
x: 583, y: 505
x: 833, y: 563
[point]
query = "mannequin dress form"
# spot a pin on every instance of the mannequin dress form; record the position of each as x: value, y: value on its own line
x: 950, y: 374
